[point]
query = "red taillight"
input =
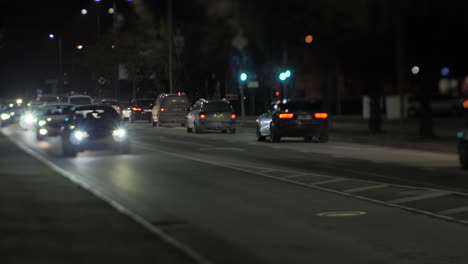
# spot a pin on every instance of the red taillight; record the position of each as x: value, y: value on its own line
x: 202, y: 116
x: 321, y: 115
x: 233, y: 116
x: 136, y: 109
x: 162, y: 109
x: 465, y: 104
x: 286, y: 115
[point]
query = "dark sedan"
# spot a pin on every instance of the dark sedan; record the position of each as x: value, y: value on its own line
x: 293, y: 118
x: 95, y: 127
x: 141, y: 110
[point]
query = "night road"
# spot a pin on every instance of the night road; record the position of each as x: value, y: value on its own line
x: 235, y: 200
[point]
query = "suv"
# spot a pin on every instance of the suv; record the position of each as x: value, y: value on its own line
x: 211, y: 115
x: 170, y: 108
x: 78, y: 99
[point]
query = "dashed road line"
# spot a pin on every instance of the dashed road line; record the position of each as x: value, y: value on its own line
x: 420, y: 197
x: 328, y: 181
x: 366, y: 188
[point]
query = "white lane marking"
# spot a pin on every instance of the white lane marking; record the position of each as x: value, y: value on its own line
x: 236, y: 149
x: 420, y: 197
x: 454, y: 210
x: 338, y: 156
x: 328, y: 181
x: 313, y: 186
x: 366, y: 188
x: 116, y: 205
x: 307, y: 174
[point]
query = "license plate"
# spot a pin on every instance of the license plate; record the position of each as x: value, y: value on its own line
x: 147, y: 110
x: 304, y: 117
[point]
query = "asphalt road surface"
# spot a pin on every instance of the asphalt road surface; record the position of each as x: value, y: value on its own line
x: 236, y: 200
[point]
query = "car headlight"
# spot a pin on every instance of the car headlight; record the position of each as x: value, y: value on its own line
x: 5, y: 116
x: 80, y: 135
x: 119, y: 134
x: 43, y: 131
x: 42, y: 123
x: 29, y: 118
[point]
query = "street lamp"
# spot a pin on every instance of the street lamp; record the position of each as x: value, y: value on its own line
x: 60, y: 77
x: 84, y: 12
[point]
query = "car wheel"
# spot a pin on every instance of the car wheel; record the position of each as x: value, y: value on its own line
x: 196, y: 129
x: 463, y: 153
x: 68, y: 149
x: 223, y: 131
x: 323, y: 137
x: 274, y: 137
x: 259, y: 135
x: 308, y: 139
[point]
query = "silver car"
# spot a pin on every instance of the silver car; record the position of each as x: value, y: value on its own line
x: 211, y: 115
x: 51, y: 118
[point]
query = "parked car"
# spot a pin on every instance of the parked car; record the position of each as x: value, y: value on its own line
x: 170, y: 109
x: 141, y: 109
x: 51, y: 118
x: 94, y: 127
x: 211, y: 115
x: 293, y: 118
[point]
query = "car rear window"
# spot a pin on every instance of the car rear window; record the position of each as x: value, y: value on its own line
x: 304, y: 106
x: 57, y: 110
x: 80, y: 100
x: 217, y: 107
x: 144, y: 103
x: 181, y: 101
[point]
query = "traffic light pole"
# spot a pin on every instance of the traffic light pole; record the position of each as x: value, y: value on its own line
x: 241, y: 88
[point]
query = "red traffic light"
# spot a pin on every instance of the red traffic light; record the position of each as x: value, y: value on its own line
x: 277, y: 93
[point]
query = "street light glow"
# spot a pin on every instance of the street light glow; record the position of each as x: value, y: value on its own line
x: 80, y: 47
x: 84, y: 12
x: 415, y: 70
x: 111, y: 11
x: 308, y: 39
x: 243, y: 76
x: 51, y: 36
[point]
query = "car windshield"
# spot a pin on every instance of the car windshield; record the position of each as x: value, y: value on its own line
x: 80, y: 100
x: 97, y: 115
x: 217, y: 107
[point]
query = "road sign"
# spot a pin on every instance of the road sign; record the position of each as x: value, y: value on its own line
x: 253, y: 84
x: 101, y: 81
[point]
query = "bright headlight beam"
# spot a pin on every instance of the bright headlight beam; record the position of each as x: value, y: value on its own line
x: 42, y: 123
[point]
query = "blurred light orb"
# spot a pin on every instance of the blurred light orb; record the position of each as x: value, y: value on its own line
x: 445, y: 71
x: 80, y: 47
x: 111, y: 11
x: 288, y: 73
x: 308, y: 39
x: 51, y: 36
x: 84, y: 12
x: 97, y: 1
x: 282, y: 76
x: 415, y: 70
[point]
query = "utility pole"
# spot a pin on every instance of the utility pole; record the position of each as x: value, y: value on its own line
x: 60, y: 66
x: 169, y: 39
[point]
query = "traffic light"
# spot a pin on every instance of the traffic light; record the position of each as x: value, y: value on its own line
x: 243, y: 77
x: 276, y: 93
x: 284, y: 75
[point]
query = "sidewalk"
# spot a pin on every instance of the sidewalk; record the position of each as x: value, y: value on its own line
x: 48, y: 219
x: 355, y: 129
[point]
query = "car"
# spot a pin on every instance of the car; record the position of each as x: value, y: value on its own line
x: 141, y: 109
x: 9, y: 112
x: 170, y: 109
x: 114, y: 103
x: 78, y: 99
x: 94, y: 127
x: 30, y: 114
x: 211, y: 115
x: 48, y: 98
x: 293, y: 118
x: 126, y: 111
x: 51, y: 118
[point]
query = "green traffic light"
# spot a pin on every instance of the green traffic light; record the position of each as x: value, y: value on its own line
x: 282, y: 76
x: 288, y: 73
x: 243, y: 77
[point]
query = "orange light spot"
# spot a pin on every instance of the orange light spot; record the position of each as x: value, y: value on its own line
x: 321, y: 115
x: 202, y: 116
x: 162, y: 109
x: 465, y: 104
x: 286, y: 115
x: 233, y: 116
x: 308, y: 39
x: 136, y: 109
